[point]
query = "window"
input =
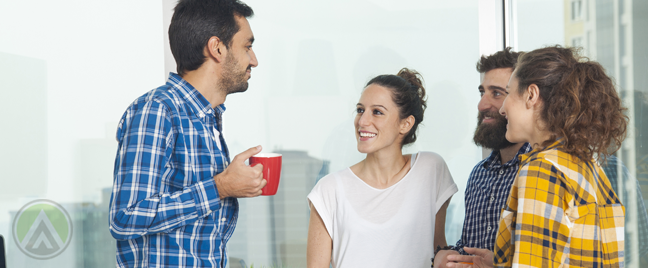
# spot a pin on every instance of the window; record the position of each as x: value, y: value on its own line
x: 576, y: 10
x: 621, y: 51
x: 66, y: 97
x: 577, y: 41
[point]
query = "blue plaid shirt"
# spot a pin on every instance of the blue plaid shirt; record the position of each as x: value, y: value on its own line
x: 488, y: 189
x: 165, y: 209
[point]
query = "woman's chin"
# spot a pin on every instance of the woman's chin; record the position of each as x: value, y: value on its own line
x: 511, y: 138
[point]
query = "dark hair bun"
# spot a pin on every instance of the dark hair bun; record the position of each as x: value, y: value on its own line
x: 409, y: 95
x: 416, y: 79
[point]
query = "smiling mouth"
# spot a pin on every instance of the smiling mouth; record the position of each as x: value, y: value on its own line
x: 367, y: 135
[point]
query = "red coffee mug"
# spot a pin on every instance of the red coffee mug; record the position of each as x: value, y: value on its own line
x: 271, y: 170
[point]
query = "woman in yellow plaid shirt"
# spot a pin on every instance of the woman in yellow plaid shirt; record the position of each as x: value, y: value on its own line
x: 562, y: 211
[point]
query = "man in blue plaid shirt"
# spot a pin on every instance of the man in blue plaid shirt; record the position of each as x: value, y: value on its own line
x: 490, y: 181
x: 174, y: 196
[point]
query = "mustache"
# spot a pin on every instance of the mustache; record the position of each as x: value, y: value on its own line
x: 492, y: 114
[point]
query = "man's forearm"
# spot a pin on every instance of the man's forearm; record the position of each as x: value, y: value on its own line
x: 161, y: 212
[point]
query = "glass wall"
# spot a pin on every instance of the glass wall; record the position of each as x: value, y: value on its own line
x: 71, y: 68
x: 612, y: 32
x: 313, y: 64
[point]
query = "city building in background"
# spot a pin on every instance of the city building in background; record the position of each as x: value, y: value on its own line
x: 61, y: 106
x: 614, y: 33
x: 92, y: 245
x: 288, y: 215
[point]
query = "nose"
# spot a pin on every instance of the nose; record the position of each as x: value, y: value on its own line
x: 484, y: 104
x: 364, y: 120
x: 253, y: 59
x: 501, y: 110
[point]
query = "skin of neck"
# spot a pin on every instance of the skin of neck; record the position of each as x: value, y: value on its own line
x: 539, y: 135
x: 508, y: 153
x: 205, y: 79
x: 384, y: 167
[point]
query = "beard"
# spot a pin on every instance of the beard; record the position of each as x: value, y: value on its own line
x: 493, y: 135
x: 233, y: 81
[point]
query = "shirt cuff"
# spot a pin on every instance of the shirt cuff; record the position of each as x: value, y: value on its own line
x: 206, y: 197
x: 459, y: 248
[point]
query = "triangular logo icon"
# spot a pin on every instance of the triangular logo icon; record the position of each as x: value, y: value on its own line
x: 42, y: 239
x: 42, y: 229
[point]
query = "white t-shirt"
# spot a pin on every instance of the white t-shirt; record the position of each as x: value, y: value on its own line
x: 392, y: 227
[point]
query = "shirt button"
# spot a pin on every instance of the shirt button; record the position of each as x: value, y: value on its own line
x: 225, y: 219
x: 492, y: 199
x: 501, y: 172
x: 488, y: 228
x: 201, y: 114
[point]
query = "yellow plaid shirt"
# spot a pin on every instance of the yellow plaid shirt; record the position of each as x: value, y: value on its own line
x: 562, y: 212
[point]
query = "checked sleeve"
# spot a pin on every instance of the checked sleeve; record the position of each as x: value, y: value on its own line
x: 148, y: 196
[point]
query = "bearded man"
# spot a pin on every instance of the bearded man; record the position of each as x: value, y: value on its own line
x: 174, y: 193
x: 491, y: 179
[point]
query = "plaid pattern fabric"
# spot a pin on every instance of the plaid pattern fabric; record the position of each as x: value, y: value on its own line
x: 636, y: 214
x: 487, y: 190
x: 562, y: 212
x: 165, y: 209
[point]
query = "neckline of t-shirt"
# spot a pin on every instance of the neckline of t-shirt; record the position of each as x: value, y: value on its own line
x: 394, y: 185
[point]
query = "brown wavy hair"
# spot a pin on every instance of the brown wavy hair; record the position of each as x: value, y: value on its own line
x: 501, y: 59
x: 580, y: 103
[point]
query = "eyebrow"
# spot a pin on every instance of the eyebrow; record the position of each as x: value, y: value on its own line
x: 251, y: 40
x: 377, y: 105
x: 492, y: 87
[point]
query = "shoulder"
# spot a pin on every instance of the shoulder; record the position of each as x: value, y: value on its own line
x: 162, y: 97
x: 430, y: 158
x: 479, y: 166
x: 547, y: 161
x: 159, y: 103
x: 551, y: 166
x: 328, y: 183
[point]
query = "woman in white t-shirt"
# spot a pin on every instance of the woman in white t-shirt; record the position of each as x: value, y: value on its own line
x: 389, y: 209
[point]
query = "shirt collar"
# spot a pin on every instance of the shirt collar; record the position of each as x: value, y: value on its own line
x: 494, y: 159
x: 525, y: 157
x: 196, y: 101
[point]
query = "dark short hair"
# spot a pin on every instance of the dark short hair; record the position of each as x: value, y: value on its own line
x: 580, y: 102
x: 195, y: 21
x: 502, y: 59
x: 409, y: 95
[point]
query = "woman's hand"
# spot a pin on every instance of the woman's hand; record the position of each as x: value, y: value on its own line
x: 481, y: 258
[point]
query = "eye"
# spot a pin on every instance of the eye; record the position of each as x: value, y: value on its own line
x: 359, y: 110
x: 378, y: 112
x: 497, y: 93
x: 481, y: 93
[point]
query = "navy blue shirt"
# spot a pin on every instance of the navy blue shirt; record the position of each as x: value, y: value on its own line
x: 488, y: 189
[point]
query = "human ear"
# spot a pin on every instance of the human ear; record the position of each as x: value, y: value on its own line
x: 215, y: 49
x: 532, y: 96
x: 407, y: 124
